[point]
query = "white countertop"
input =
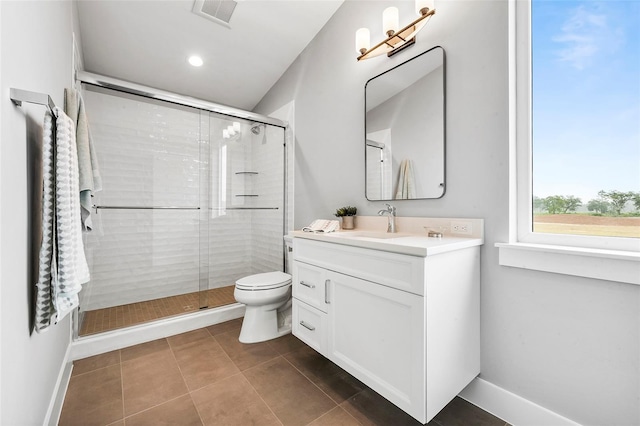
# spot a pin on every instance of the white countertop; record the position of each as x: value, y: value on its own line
x: 403, y: 243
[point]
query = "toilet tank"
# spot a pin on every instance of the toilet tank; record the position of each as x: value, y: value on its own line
x: 288, y: 254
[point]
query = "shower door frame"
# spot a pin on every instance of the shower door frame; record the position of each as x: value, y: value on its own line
x: 150, y: 92
x: 161, y: 95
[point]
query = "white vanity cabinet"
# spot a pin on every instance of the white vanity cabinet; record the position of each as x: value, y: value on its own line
x: 407, y: 326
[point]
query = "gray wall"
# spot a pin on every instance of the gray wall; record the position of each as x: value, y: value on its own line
x: 569, y: 344
x: 36, y: 40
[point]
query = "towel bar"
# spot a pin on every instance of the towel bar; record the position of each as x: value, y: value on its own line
x: 143, y: 208
x: 246, y: 208
x: 19, y: 96
x: 96, y: 208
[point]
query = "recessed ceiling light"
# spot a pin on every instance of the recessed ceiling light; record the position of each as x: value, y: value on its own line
x: 196, y: 61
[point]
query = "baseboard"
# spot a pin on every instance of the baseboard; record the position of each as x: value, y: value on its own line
x: 511, y: 407
x: 60, y: 390
x: 118, y: 339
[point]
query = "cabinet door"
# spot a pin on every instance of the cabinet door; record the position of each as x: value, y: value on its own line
x: 376, y: 333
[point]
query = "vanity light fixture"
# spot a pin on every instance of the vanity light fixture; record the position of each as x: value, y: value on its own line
x: 397, y: 39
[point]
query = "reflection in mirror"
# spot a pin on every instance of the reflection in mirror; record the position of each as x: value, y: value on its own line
x: 404, y: 126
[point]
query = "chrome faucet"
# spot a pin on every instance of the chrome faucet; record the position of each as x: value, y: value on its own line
x: 390, y: 211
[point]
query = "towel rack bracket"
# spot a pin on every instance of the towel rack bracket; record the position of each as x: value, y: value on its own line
x: 19, y: 96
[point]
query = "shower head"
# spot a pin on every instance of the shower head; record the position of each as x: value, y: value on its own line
x: 255, y: 129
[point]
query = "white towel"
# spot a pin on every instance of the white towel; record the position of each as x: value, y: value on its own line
x: 63, y: 266
x: 406, y: 184
x: 89, y: 174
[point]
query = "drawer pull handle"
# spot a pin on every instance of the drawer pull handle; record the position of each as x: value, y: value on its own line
x: 307, y: 284
x: 307, y: 326
x: 326, y: 291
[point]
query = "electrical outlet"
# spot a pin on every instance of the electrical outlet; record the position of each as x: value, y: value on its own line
x: 461, y: 227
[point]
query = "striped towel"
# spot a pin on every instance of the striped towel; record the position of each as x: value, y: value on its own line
x: 62, y: 264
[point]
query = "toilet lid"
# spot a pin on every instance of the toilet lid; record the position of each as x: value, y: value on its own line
x: 265, y: 281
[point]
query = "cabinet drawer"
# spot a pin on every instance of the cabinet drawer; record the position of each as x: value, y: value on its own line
x: 310, y: 325
x: 309, y: 285
x: 394, y: 270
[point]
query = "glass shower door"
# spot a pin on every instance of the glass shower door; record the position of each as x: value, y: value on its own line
x: 246, y: 208
x: 144, y: 251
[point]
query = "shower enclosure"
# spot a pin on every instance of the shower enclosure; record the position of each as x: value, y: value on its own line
x: 378, y: 166
x: 192, y: 200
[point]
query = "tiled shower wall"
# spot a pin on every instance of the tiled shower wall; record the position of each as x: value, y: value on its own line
x: 267, y: 225
x: 154, y: 154
x: 246, y: 236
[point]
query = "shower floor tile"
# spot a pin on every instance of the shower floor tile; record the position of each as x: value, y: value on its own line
x: 115, y: 317
x: 203, y: 378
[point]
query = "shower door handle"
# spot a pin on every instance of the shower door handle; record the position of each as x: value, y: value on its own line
x: 326, y: 291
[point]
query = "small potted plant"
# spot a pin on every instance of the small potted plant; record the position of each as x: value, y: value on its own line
x: 347, y: 214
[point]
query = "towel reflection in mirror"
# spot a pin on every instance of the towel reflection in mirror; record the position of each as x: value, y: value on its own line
x: 406, y: 182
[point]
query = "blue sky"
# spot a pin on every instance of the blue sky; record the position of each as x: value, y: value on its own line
x: 586, y: 97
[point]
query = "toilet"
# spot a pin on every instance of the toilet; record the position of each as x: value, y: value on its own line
x: 267, y: 297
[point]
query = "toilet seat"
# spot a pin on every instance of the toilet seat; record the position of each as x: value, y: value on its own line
x: 264, y: 281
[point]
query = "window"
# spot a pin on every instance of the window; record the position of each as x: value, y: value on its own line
x: 575, y: 104
x: 583, y: 109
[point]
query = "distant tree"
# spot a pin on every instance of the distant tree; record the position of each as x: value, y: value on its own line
x: 636, y: 200
x: 598, y: 205
x: 617, y: 199
x: 538, y: 203
x: 553, y: 204
x: 557, y: 204
x: 571, y: 203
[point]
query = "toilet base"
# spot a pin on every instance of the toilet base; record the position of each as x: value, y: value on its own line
x: 260, y: 325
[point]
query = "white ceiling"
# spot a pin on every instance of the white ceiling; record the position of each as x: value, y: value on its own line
x: 148, y: 42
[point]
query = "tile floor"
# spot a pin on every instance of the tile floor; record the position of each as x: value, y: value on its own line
x: 207, y: 377
x: 115, y: 317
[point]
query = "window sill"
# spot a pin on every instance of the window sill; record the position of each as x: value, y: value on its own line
x: 610, y: 265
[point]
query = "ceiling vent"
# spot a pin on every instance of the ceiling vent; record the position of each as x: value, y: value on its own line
x: 218, y: 11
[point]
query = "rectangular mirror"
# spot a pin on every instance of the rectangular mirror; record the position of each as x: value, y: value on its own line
x: 404, y: 128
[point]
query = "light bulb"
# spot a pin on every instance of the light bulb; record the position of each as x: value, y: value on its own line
x: 195, y: 61
x: 231, y: 130
x: 225, y: 134
x: 390, y: 21
x: 363, y: 40
x: 423, y: 6
x: 236, y: 126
